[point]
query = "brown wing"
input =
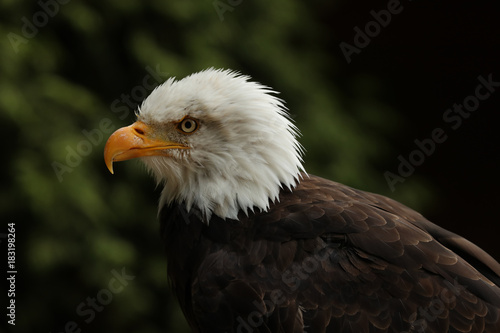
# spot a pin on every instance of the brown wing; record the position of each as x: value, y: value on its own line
x: 328, y: 258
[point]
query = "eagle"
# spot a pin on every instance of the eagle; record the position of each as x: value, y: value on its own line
x: 255, y: 244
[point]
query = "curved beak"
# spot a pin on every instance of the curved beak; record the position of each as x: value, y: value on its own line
x: 136, y: 140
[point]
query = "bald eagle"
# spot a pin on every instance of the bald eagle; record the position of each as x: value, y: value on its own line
x: 255, y: 244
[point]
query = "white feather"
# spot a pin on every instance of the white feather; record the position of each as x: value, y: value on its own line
x: 243, y: 152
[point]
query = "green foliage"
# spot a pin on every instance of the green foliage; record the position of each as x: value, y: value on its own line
x: 76, y: 222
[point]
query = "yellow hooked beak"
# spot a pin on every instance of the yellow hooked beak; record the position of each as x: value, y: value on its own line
x: 136, y: 140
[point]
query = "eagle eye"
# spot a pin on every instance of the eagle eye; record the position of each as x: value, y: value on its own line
x: 188, y: 125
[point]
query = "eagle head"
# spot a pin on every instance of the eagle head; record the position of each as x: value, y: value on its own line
x: 218, y: 142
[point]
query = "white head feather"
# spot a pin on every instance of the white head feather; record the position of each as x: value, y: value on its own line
x: 243, y: 152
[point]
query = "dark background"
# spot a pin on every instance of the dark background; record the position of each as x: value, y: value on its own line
x: 356, y: 119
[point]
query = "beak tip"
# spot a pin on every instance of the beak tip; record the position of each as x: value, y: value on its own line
x: 109, y: 165
x: 108, y: 160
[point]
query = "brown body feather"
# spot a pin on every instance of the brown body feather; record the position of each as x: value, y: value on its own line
x: 329, y: 258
